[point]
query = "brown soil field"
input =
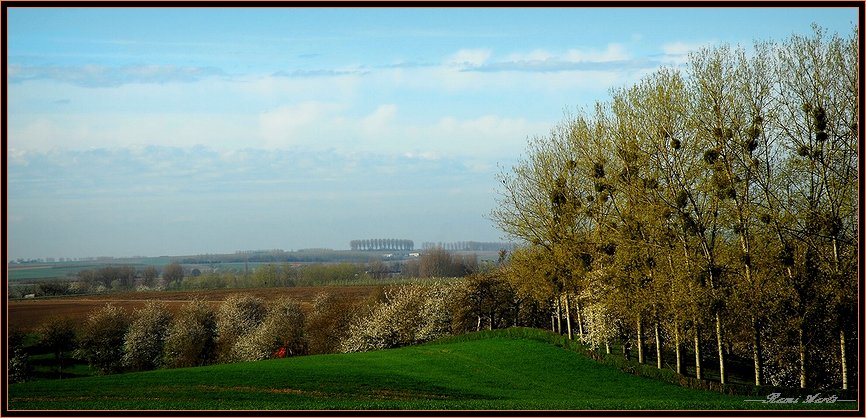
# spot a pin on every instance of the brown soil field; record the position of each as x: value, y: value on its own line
x: 27, y: 314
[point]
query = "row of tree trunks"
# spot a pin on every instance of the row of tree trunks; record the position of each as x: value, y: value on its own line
x: 564, y: 312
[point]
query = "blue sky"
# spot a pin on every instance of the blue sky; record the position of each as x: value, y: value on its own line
x: 202, y: 130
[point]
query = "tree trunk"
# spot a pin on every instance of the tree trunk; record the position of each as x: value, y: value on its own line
x: 558, y: 316
x: 658, y: 346
x: 721, y: 348
x: 568, y: 316
x: 579, y: 320
x: 607, y: 347
x: 478, y: 327
x: 677, y: 348
x: 757, y: 350
x: 844, y: 359
x: 640, y: 353
x: 802, y: 349
x: 698, y: 374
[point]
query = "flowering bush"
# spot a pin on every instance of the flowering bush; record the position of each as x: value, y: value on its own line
x: 281, y: 334
x: 190, y: 340
x: 409, y: 314
x: 101, y: 340
x: 19, y: 361
x: 238, y: 316
x: 600, y: 325
x: 144, y: 341
x: 436, y: 316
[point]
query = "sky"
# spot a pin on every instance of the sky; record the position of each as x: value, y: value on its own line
x: 180, y: 131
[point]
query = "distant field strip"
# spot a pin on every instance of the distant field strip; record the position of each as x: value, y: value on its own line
x: 26, y: 314
x: 497, y: 372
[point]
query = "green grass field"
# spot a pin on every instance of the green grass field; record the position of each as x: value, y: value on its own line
x: 498, y: 370
x: 68, y: 269
x: 46, y: 271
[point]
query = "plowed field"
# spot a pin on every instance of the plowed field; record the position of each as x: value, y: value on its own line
x: 27, y: 314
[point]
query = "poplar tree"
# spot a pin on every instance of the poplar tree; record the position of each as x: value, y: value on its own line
x: 719, y: 198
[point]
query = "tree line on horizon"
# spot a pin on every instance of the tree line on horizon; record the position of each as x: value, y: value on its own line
x: 382, y: 244
x: 468, y: 246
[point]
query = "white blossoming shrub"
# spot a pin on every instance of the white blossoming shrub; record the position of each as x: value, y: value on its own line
x: 383, y: 325
x: 437, y: 311
x: 191, y: 337
x: 409, y: 314
x: 19, y: 361
x: 280, y: 334
x: 100, y: 341
x: 599, y: 323
x: 238, y: 316
x: 144, y: 340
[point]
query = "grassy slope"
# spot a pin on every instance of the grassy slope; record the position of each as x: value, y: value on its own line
x: 496, y: 371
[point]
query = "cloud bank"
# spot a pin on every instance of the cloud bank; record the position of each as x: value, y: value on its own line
x: 107, y: 76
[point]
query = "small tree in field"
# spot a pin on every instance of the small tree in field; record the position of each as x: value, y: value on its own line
x: 436, y: 262
x: 145, y: 338
x: 101, y: 339
x: 58, y: 335
x: 173, y: 274
x: 150, y: 273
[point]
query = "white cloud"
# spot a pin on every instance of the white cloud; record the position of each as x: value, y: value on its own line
x: 390, y: 109
x: 91, y: 75
x: 323, y: 73
x: 613, y: 56
x: 586, y: 71
x: 271, y: 91
x: 613, y: 52
x: 322, y: 126
x: 489, y: 137
x: 469, y: 57
x: 43, y: 132
x: 295, y: 125
x: 536, y: 55
x: 679, y: 48
x: 426, y: 156
x: 379, y: 120
x: 677, y: 53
